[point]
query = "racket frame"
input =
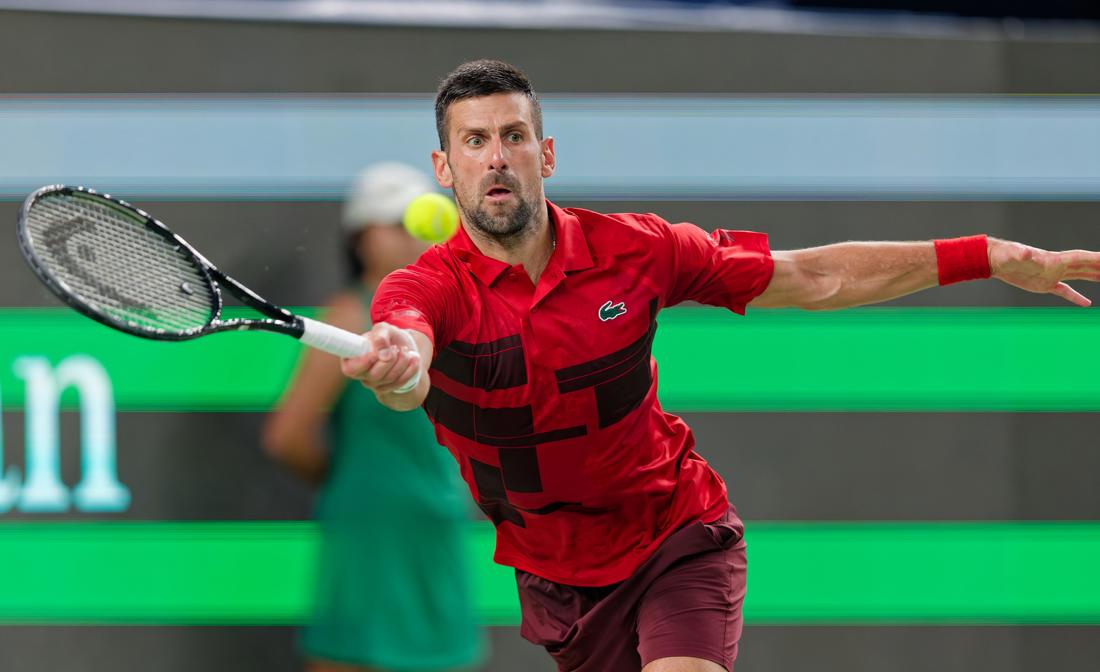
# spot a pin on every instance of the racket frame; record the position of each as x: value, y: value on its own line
x: 277, y: 319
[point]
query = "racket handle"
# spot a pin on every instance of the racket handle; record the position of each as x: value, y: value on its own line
x: 336, y: 341
x: 333, y: 340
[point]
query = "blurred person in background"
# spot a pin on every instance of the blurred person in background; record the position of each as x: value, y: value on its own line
x: 392, y: 588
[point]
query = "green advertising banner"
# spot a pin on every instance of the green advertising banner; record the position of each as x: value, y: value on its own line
x: 800, y: 573
x: 872, y: 359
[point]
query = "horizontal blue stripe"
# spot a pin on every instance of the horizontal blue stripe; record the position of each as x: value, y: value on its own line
x: 608, y: 147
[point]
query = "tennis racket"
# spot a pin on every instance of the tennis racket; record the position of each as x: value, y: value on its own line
x: 116, y: 264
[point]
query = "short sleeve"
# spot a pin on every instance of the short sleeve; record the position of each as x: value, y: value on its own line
x: 725, y: 268
x: 420, y: 299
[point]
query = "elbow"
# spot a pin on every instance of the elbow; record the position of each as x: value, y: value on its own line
x: 298, y: 448
x: 823, y: 292
x: 806, y: 282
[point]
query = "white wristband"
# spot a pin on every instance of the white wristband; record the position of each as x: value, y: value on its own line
x: 411, y: 385
x: 415, y: 380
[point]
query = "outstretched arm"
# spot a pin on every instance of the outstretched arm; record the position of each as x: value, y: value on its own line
x: 854, y: 274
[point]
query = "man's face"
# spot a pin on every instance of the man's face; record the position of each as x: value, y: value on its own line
x: 495, y: 163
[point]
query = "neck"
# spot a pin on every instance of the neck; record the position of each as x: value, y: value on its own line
x: 531, y: 250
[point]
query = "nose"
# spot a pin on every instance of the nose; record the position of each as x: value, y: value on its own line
x: 497, y: 159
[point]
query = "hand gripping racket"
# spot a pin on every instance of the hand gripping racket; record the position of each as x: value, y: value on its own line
x: 119, y: 266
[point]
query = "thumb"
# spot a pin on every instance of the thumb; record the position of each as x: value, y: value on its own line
x: 383, y: 339
x: 1070, y: 294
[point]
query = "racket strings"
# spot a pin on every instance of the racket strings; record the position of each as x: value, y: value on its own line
x: 113, y: 262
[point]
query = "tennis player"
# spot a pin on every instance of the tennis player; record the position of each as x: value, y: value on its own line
x: 532, y: 330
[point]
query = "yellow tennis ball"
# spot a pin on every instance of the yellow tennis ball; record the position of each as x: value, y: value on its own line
x: 431, y: 217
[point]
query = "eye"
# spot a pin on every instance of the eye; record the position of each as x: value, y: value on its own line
x: 474, y: 141
x: 515, y: 136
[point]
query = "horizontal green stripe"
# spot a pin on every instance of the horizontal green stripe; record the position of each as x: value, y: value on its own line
x: 800, y: 573
x: 873, y: 359
x: 881, y: 359
x: 228, y: 371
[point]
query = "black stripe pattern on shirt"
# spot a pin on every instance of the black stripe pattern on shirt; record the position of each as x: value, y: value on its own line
x: 512, y: 432
x: 511, y: 427
x: 492, y: 497
x: 495, y: 365
x: 621, y: 379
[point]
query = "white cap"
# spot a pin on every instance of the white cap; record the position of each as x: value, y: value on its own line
x: 381, y: 193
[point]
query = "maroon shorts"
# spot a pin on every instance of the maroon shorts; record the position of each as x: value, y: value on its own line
x: 685, y: 600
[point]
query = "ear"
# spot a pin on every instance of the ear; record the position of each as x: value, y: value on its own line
x: 442, y: 169
x: 548, y: 161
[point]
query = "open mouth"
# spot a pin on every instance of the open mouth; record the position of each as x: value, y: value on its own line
x: 498, y: 194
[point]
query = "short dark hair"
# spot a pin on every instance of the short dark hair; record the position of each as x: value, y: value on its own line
x: 475, y: 79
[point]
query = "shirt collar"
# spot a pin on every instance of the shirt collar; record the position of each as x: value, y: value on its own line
x: 572, y: 247
x: 571, y: 252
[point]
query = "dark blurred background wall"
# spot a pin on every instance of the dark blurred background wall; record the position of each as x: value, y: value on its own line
x: 915, y: 466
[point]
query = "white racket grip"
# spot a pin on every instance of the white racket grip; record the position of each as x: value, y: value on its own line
x: 333, y: 340
x: 336, y: 341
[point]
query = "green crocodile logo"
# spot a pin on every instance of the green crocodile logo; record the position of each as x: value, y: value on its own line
x: 609, y: 311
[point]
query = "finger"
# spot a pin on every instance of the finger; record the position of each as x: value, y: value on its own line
x: 357, y: 367
x: 403, y: 372
x: 388, y: 353
x: 378, y: 343
x: 383, y: 336
x: 396, y: 336
x: 1070, y: 294
x: 403, y: 369
x: 379, y: 374
x: 390, y: 347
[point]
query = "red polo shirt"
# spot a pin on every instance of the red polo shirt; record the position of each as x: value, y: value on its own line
x: 547, y: 394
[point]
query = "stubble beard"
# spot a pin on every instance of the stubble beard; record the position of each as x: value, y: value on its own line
x: 508, y: 229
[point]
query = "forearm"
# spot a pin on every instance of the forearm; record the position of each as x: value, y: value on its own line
x: 308, y: 460
x: 853, y: 274
x: 299, y: 448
